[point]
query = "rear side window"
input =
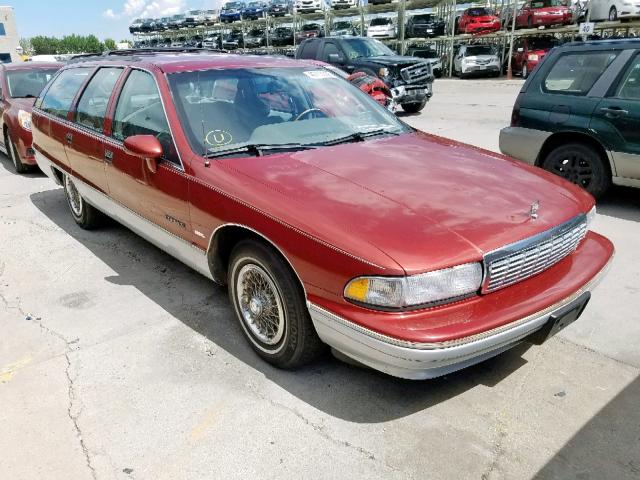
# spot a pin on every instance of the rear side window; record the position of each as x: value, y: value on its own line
x: 309, y: 49
x: 576, y: 73
x: 57, y: 101
x: 629, y: 88
x: 93, y: 103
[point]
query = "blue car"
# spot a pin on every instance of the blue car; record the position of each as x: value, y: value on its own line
x: 255, y: 10
x: 231, y: 12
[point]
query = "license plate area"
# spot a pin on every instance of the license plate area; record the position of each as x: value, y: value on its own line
x: 561, y: 319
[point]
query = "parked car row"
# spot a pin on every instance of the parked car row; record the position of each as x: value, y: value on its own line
x: 253, y: 171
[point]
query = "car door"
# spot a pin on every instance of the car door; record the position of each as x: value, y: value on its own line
x: 519, y: 54
x: 160, y: 196
x: 617, y: 121
x: 84, y: 143
x: 523, y: 15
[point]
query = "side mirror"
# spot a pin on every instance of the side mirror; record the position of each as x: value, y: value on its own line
x: 335, y: 58
x: 146, y: 147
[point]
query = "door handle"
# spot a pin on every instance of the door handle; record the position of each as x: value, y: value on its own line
x: 108, y: 156
x: 614, y: 111
x: 69, y: 138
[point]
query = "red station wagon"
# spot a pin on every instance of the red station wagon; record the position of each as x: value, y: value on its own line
x: 20, y: 85
x: 330, y: 220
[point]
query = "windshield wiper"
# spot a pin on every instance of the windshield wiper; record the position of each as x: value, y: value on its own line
x: 360, y: 136
x: 258, y: 149
x: 26, y: 96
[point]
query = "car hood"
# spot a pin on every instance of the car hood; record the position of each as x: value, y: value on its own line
x: 410, y: 203
x: 25, y: 104
x: 392, y: 60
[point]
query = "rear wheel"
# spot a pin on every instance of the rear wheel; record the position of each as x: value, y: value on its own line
x: 414, y: 107
x: 613, y: 14
x: 85, y: 215
x: 270, y: 306
x: 12, y: 153
x: 580, y: 164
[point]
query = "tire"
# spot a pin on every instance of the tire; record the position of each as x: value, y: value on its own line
x: 525, y: 71
x: 258, y: 278
x: 12, y: 153
x: 613, y: 14
x: 86, y: 216
x: 414, y: 107
x: 581, y: 164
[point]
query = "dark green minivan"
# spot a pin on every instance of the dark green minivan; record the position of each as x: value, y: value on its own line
x: 578, y: 115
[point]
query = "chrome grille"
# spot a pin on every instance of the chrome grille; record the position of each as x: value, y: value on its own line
x: 418, y: 73
x: 524, y: 259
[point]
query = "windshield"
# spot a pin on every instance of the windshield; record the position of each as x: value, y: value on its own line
x: 423, y: 18
x: 380, y: 21
x: 223, y: 109
x: 480, y: 50
x: 256, y: 32
x: 232, y: 6
x: 543, y: 43
x: 365, y: 47
x: 28, y: 83
x: 310, y: 26
x: 341, y: 25
x: 548, y: 3
x: 479, y: 12
x: 425, y: 54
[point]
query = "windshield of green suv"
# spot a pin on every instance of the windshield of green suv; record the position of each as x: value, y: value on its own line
x: 308, y: 107
x: 28, y: 83
x: 365, y: 47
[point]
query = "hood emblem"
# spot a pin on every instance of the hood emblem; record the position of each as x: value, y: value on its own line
x: 533, y: 210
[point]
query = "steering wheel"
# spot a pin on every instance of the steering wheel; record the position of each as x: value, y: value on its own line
x: 307, y: 112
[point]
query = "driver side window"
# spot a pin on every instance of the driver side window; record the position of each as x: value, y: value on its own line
x: 139, y: 112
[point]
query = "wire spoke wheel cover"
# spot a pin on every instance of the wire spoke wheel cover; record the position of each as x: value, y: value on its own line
x: 260, y: 304
x: 73, y: 197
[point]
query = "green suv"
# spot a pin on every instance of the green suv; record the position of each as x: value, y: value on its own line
x: 578, y: 115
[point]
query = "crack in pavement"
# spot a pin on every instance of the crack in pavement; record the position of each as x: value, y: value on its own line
x: 71, y: 393
x: 321, y: 430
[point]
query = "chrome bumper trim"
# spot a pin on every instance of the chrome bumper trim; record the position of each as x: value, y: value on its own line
x: 416, y: 361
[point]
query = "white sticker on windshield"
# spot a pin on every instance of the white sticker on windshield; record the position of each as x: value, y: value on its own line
x: 319, y: 74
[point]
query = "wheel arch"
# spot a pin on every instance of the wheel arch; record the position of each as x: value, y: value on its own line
x: 560, y: 138
x: 221, y: 244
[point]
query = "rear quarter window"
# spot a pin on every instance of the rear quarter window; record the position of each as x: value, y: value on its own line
x: 576, y: 73
x: 58, y: 98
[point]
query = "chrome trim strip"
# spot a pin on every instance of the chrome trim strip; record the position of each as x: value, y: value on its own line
x: 530, y: 242
x: 181, y: 249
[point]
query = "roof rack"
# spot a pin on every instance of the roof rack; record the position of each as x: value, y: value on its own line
x: 143, y: 51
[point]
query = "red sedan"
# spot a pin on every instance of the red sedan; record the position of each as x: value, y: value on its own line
x: 20, y: 84
x: 479, y: 20
x: 536, y: 13
x: 529, y: 51
x: 330, y: 220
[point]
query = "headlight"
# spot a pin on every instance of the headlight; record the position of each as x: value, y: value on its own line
x: 591, y: 216
x: 24, y: 119
x: 533, y: 57
x: 383, y: 72
x: 415, y: 290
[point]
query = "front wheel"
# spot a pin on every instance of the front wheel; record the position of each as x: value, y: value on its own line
x: 580, y: 164
x: 414, y: 107
x: 12, y: 153
x: 525, y: 71
x: 85, y: 215
x: 270, y: 306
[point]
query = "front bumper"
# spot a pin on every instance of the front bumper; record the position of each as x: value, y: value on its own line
x: 412, y: 93
x: 480, y: 69
x: 523, y: 143
x: 414, y: 361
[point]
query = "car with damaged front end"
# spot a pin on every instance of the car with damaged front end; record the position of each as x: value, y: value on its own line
x: 330, y: 220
